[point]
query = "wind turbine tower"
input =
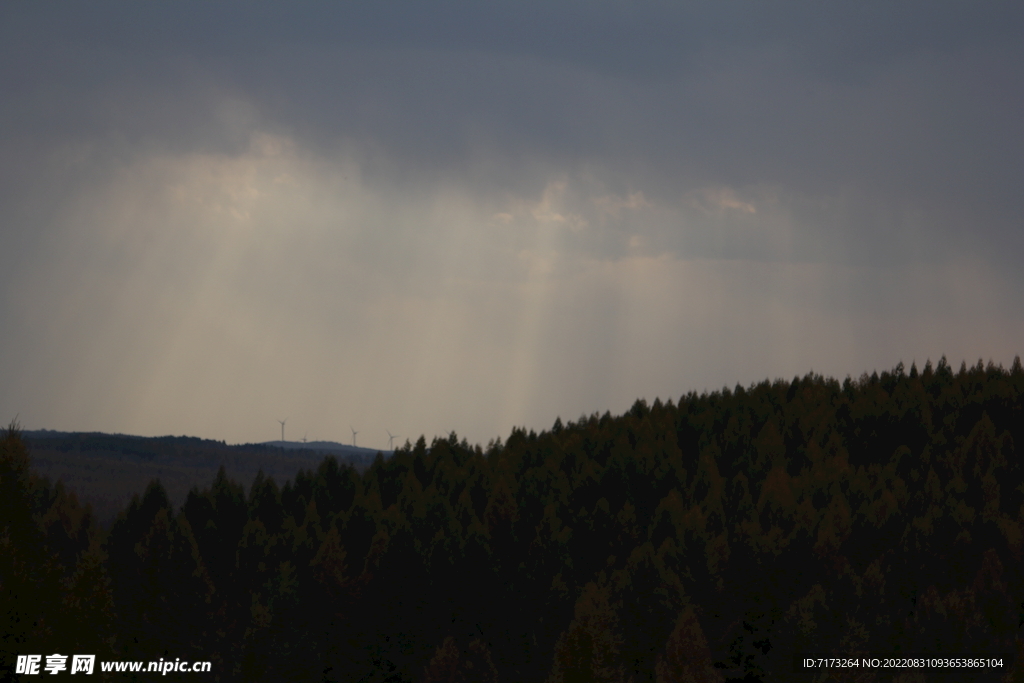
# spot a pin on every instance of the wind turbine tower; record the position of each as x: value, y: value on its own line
x: 282, y: 427
x: 391, y: 439
x: 354, y: 432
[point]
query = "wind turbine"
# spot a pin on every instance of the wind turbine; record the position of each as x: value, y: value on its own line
x: 354, y: 432
x: 304, y: 437
x: 282, y: 427
x: 391, y: 438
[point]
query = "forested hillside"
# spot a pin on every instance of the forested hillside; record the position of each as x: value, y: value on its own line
x: 707, y: 539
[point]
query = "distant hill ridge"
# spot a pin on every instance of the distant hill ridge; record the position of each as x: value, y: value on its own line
x: 107, y: 469
x: 324, y: 446
x: 333, y: 446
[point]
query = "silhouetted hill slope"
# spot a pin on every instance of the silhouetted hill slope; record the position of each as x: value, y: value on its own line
x: 106, y: 470
x: 354, y: 454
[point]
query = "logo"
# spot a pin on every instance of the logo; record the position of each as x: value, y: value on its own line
x: 55, y: 663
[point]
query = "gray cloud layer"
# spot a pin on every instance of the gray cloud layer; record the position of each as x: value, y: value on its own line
x: 467, y: 216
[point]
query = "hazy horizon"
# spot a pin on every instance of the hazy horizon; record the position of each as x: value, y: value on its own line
x: 473, y: 217
x: 429, y: 436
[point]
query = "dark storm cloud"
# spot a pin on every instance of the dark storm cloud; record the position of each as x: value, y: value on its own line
x: 909, y: 113
x: 278, y: 54
x: 915, y: 106
x: 635, y: 39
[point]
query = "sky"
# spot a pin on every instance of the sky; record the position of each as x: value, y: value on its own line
x: 465, y: 216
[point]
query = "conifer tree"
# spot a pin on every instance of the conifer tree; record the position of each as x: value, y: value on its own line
x: 687, y: 658
x: 30, y: 595
x: 588, y: 651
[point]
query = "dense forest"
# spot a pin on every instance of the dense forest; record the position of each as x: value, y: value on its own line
x: 710, y: 539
